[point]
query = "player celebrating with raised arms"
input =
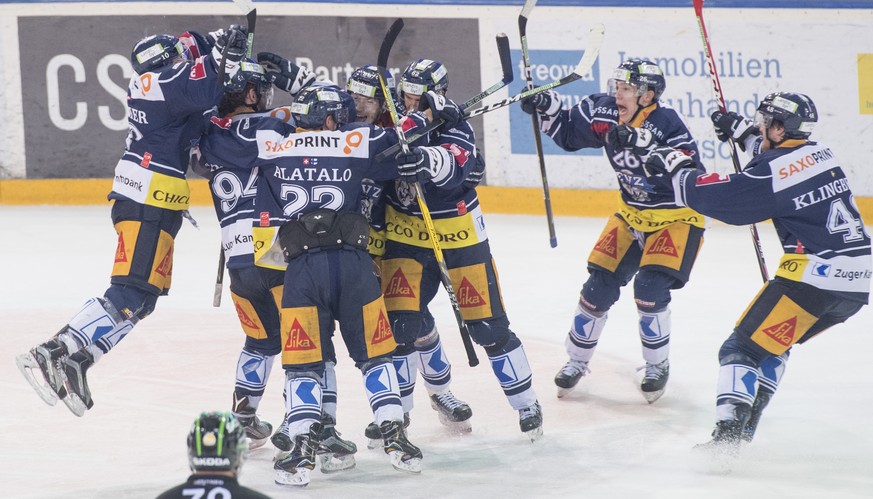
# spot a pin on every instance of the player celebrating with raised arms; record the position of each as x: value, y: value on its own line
x: 650, y: 239
x: 824, y: 275
x: 173, y: 86
x: 410, y: 272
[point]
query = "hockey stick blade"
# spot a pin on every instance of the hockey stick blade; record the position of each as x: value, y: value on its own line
x: 595, y: 40
x: 388, y: 42
x: 506, y: 67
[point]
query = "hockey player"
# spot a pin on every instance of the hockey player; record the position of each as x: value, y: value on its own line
x: 824, y: 275
x: 176, y: 81
x: 410, y: 273
x: 649, y: 239
x: 310, y: 189
x: 217, y: 449
x: 255, y: 290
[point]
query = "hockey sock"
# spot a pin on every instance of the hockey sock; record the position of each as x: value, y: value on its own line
x: 584, y: 333
x: 252, y: 372
x: 655, y: 335
x: 302, y: 401
x: 770, y: 372
x: 737, y: 385
x: 98, y: 322
x: 406, y: 369
x: 436, y: 371
x: 380, y: 381
x: 328, y: 390
x: 512, y: 370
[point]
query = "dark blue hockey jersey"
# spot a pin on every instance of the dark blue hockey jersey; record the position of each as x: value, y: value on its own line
x: 802, y: 188
x: 298, y: 171
x: 644, y: 206
x: 166, y: 112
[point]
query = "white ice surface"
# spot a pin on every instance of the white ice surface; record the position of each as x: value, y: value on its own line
x: 603, y: 440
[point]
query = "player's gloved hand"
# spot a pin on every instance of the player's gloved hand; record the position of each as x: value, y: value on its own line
x: 421, y: 164
x: 213, y: 36
x: 731, y: 125
x: 548, y: 103
x: 235, y: 39
x: 666, y: 161
x: 285, y: 74
x: 625, y: 137
x: 442, y: 109
x: 476, y: 173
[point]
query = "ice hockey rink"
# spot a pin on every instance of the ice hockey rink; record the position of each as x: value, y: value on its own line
x: 603, y: 440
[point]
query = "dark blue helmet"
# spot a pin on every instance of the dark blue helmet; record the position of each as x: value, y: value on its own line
x: 217, y: 442
x: 641, y: 73
x: 423, y: 76
x: 796, y: 112
x: 315, y: 103
x: 249, y: 72
x: 155, y: 52
x: 365, y: 81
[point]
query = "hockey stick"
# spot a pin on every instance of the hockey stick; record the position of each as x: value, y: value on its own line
x: 382, y: 63
x: 716, y: 87
x: 251, y: 17
x: 535, y: 119
x: 595, y: 40
x: 506, y: 66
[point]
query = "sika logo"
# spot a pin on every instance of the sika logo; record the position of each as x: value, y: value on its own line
x: 383, y: 329
x: 783, y: 332
x: 468, y: 296
x: 298, y: 339
x: 166, y: 267
x: 244, y: 319
x: 120, y: 252
x: 398, y: 286
x: 663, y: 245
x: 607, y: 244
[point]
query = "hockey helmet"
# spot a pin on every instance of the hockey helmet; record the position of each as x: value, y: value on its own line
x: 365, y: 81
x: 643, y: 74
x: 796, y: 112
x: 315, y: 103
x: 155, y: 52
x: 217, y: 442
x: 423, y: 76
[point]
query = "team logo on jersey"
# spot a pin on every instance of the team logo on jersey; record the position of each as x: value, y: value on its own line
x: 298, y: 339
x: 462, y: 207
x: 461, y: 155
x: 146, y: 159
x: 663, y: 245
x: 264, y: 219
x: 398, y: 286
x: 468, y: 297
x: 120, y: 251
x: 608, y: 243
x: 712, y: 178
x: 221, y: 122
x: 600, y: 128
x: 198, y: 71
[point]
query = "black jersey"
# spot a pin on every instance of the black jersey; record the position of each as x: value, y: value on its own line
x: 212, y: 487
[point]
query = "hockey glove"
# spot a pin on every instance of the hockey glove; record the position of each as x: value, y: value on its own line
x: 285, y: 74
x: 235, y: 38
x: 547, y: 103
x: 731, y: 125
x: 442, y: 109
x: 666, y: 161
x: 625, y: 137
x: 476, y: 173
x: 421, y: 164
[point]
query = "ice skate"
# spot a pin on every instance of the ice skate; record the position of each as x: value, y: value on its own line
x: 334, y: 452
x: 404, y: 456
x: 294, y: 469
x: 452, y: 412
x: 751, y: 426
x: 569, y: 376
x: 374, y: 434
x: 723, y: 449
x: 281, y: 440
x: 655, y: 380
x: 530, y: 419
x: 257, y: 431
x: 78, y: 398
x: 46, y: 359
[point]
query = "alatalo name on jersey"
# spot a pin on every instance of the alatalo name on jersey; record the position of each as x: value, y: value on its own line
x: 314, y: 174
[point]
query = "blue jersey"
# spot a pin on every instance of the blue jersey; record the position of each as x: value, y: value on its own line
x: 802, y: 188
x: 298, y: 171
x: 166, y: 113
x: 586, y: 124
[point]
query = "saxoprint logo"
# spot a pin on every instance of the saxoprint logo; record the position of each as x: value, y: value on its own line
x: 548, y: 66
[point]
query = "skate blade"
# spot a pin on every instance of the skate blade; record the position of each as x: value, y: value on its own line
x: 534, y: 434
x: 27, y: 365
x: 374, y: 444
x: 412, y: 465
x: 255, y: 443
x: 714, y: 460
x: 459, y: 427
x: 331, y: 463
x: 653, y: 396
x: 564, y: 391
x: 75, y: 405
x: 299, y: 478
